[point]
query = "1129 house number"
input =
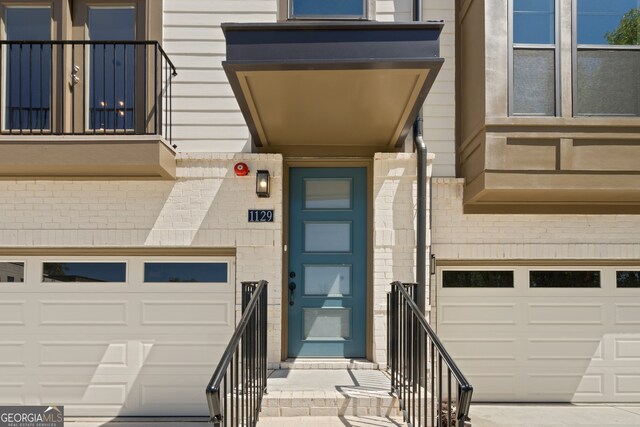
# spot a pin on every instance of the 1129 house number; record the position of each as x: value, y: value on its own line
x: 260, y: 215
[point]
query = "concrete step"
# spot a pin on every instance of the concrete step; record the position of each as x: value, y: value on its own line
x: 341, y: 421
x: 315, y: 364
x: 325, y: 392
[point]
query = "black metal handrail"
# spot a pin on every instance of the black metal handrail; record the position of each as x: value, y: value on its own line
x: 416, y: 358
x: 86, y: 87
x: 235, y: 391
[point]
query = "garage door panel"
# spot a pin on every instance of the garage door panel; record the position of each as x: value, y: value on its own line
x: 181, y: 355
x: 592, y: 387
x: 481, y: 348
x: 183, y: 398
x: 12, y: 391
x: 77, y: 353
x: 554, y: 386
x: 12, y: 311
x: 112, y: 349
x: 66, y: 392
x: 452, y: 313
x: 564, y: 349
x: 12, y: 354
x: 83, y: 313
x: 627, y: 348
x: 627, y: 383
x: 627, y: 314
x: 558, y: 344
x: 186, y: 312
x: 565, y: 314
x: 499, y: 387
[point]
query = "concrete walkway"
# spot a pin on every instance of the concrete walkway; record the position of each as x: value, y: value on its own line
x: 482, y: 415
x: 554, y: 415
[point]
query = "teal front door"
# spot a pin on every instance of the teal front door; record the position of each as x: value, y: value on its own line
x: 327, y: 262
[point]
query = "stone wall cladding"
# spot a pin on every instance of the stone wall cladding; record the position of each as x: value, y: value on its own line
x: 394, y: 234
x: 206, y: 207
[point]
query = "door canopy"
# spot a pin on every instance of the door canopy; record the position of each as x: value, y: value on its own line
x: 331, y: 84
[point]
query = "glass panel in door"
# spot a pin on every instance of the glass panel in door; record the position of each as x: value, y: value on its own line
x: 27, y: 70
x: 111, y: 67
x: 327, y: 262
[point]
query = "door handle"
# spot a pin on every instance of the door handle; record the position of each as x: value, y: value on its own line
x: 292, y: 288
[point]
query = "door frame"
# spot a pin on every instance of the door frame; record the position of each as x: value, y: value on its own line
x: 148, y: 27
x: 293, y: 162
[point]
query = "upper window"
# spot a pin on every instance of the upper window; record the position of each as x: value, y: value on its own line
x: 608, y: 58
x: 534, y: 58
x: 327, y: 9
x: 611, y: 22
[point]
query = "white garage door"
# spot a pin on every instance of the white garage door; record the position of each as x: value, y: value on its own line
x: 544, y: 334
x: 109, y: 336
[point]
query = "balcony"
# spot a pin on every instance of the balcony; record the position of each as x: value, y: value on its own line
x: 90, y: 109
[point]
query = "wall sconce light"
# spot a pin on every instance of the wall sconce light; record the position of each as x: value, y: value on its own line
x: 432, y: 264
x: 262, y: 183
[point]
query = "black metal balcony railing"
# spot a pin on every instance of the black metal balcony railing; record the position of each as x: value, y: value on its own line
x: 417, y: 359
x: 70, y: 87
x: 235, y: 391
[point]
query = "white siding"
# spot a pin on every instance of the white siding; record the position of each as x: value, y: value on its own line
x: 206, y: 116
x: 439, y: 108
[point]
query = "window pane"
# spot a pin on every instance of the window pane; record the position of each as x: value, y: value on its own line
x: 534, y: 82
x: 477, y: 279
x: 564, y: 279
x: 332, y: 8
x: 534, y: 21
x: 11, y: 272
x: 608, y: 83
x: 28, y: 68
x: 608, y: 22
x: 112, y: 68
x: 190, y: 272
x: 84, y: 272
x: 628, y: 279
x: 327, y: 237
x: 327, y: 323
x: 327, y: 194
x: 327, y: 280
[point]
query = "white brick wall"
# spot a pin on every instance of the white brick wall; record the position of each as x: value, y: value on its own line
x: 529, y: 237
x: 205, y: 207
x: 394, y: 235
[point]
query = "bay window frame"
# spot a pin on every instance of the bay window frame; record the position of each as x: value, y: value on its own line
x: 575, y: 48
x: 535, y: 46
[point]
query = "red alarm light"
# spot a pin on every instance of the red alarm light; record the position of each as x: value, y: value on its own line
x: 241, y: 169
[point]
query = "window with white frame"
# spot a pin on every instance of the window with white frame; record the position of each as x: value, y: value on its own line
x: 533, y: 58
x: 607, y: 58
